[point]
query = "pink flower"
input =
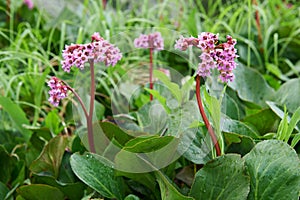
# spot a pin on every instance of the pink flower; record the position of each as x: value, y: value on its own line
x: 96, y: 37
x: 153, y: 40
x: 213, y: 54
x: 207, y: 40
x: 100, y: 50
x: 57, y: 91
x: 29, y: 4
x: 206, y: 65
x: 183, y: 43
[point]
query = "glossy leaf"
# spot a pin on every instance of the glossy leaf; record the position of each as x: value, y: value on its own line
x: 145, y: 144
x: 222, y: 178
x: 40, y: 191
x: 251, y: 86
x: 73, y: 191
x: 274, y: 169
x: 113, y: 131
x: 98, y: 173
x: 50, y: 159
x: 234, y: 126
x: 237, y: 143
x: 289, y: 95
x: 168, y: 191
x: 264, y: 120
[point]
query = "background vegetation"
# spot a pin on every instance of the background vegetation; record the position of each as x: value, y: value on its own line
x: 261, y: 108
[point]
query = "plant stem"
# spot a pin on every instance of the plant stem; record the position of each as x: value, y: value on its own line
x: 257, y: 20
x: 151, y: 71
x: 90, y: 116
x: 204, y: 117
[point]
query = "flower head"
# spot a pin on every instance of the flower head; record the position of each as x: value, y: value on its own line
x: 57, y: 91
x: 153, y: 40
x: 99, y: 50
x: 29, y: 4
x: 221, y: 56
x: 183, y: 43
x: 207, y: 40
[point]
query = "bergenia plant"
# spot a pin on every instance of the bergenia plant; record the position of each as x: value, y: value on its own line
x: 153, y: 41
x: 214, y: 55
x: 99, y: 50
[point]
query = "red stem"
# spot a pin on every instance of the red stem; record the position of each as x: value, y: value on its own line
x: 257, y: 20
x: 151, y: 72
x: 204, y: 117
x: 90, y: 117
x: 104, y: 2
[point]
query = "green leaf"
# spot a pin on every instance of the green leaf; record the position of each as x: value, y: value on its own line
x: 73, y: 191
x: 17, y: 115
x: 230, y: 107
x: 167, y: 190
x: 53, y: 122
x: 289, y: 95
x: 145, y: 144
x: 214, y: 107
x: 274, y: 170
x: 99, y: 110
x: 295, y: 140
x: 173, y: 87
x: 234, y: 126
x: 159, y: 98
x: 132, y: 197
x: 113, y: 131
x: 50, y: 159
x: 3, y: 190
x: 186, y: 87
x: 251, y: 86
x: 222, y: 178
x: 7, y: 165
x: 40, y: 191
x: 98, y: 173
x: 199, y: 150
x: 264, y: 120
x: 292, y: 124
x: 146, y: 179
x: 283, y: 126
x: 237, y: 143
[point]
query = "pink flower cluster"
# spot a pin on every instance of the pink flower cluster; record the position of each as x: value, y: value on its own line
x: 57, y: 91
x: 99, y: 50
x: 213, y: 55
x: 153, y: 40
x: 29, y: 4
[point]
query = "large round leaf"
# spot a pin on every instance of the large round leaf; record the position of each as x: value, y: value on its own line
x: 222, y: 178
x: 98, y: 173
x: 289, y: 94
x: 251, y: 86
x: 274, y: 170
x: 40, y: 191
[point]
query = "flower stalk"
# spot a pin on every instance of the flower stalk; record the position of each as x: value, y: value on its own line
x: 205, y: 119
x: 151, y: 71
x: 99, y: 50
x: 152, y: 41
